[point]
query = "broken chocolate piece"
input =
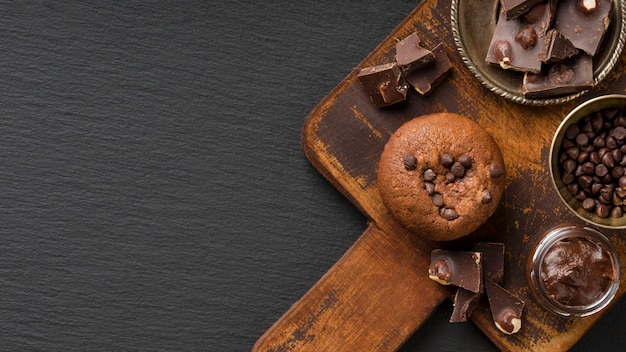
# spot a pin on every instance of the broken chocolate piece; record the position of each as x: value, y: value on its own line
x: 561, y: 78
x: 431, y: 75
x: 493, y: 260
x: 583, y: 28
x: 458, y: 268
x: 516, y: 8
x: 385, y: 84
x: 516, y: 43
x: 556, y: 48
x: 464, y: 303
x: 506, y: 308
x: 410, y: 55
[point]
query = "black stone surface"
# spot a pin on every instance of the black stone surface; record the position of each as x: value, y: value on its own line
x: 154, y: 195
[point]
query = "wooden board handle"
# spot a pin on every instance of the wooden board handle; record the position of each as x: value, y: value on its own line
x: 373, y: 298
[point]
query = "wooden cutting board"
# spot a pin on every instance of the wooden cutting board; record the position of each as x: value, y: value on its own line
x: 378, y: 293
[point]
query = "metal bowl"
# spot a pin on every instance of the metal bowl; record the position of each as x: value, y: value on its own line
x: 581, y: 111
x: 473, y: 23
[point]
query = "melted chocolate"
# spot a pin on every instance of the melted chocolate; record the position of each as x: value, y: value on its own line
x: 576, y: 271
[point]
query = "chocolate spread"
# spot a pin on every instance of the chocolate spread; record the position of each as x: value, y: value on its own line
x: 576, y: 271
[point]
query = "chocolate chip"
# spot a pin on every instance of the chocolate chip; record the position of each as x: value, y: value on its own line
x: 582, y: 139
x: 569, y: 166
x: 430, y: 188
x: 410, y: 163
x: 589, y: 204
x: 602, y: 210
x: 619, y: 133
x: 429, y: 175
x: 450, y: 214
x: 601, y: 170
x: 572, y: 131
x: 449, y: 177
x: 437, y: 200
x: 466, y: 161
x: 495, y: 170
x: 617, y: 212
x: 458, y: 169
x: 447, y: 160
x: 486, y: 197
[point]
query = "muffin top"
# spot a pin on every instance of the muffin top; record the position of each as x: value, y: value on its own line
x: 441, y: 176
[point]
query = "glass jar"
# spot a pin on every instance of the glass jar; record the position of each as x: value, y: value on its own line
x: 573, y: 271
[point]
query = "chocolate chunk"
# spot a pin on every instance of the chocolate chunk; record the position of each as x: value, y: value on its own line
x: 385, y: 84
x: 516, y: 8
x: 431, y: 75
x: 410, y: 55
x: 493, y: 260
x: 410, y: 163
x: 458, y: 268
x: 561, y: 78
x: 464, y: 303
x: 556, y: 47
x: 506, y: 308
x: 584, y: 30
x: 516, y: 43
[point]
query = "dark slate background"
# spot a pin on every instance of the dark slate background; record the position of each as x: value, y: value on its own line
x: 153, y: 191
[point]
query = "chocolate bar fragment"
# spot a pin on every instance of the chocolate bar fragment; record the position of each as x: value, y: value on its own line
x: 493, y: 260
x: 464, y: 303
x: 515, y: 8
x: 458, y: 268
x: 430, y: 76
x: 506, y: 308
x: 556, y: 48
x: 561, y: 78
x: 385, y: 84
x: 516, y: 43
x: 410, y: 55
x: 584, y: 22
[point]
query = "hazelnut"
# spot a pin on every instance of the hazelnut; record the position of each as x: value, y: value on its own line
x: 508, y: 322
x: 561, y: 74
x: 502, y: 51
x: 526, y: 38
x: 587, y: 6
x: 440, y: 271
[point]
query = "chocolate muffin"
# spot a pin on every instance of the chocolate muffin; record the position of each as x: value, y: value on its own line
x: 441, y: 176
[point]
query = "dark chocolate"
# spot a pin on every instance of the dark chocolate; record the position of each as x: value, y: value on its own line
x: 560, y: 78
x: 516, y: 43
x: 506, y: 308
x: 464, y: 304
x: 385, y: 84
x: 459, y: 268
x: 584, y: 29
x: 493, y: 260
x: 556, y: 48
x: 431, y: 75
x: 516, y: 8
x: 410, y: 55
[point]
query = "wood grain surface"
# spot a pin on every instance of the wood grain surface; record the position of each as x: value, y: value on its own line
x: 343, y: 137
